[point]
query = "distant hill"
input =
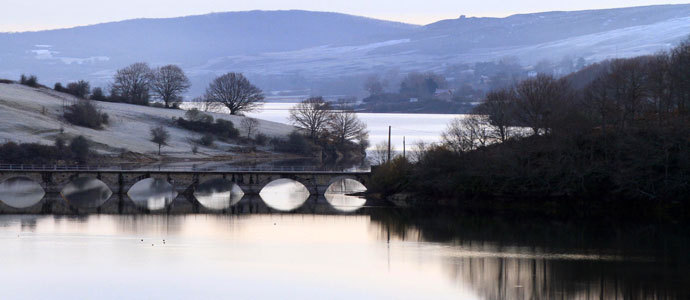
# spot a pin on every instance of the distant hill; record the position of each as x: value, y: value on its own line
x: 330, y: 53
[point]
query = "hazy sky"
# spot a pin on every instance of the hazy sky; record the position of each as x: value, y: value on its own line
x: 22, y: 15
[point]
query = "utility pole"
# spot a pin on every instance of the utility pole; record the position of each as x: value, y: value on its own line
x: 389, y: 144
x: 404, y: 147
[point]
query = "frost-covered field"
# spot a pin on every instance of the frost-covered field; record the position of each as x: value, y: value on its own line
x: 34, y: 115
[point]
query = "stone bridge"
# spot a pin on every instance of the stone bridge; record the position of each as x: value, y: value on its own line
x: 53, y: 181
x: 251, y: 182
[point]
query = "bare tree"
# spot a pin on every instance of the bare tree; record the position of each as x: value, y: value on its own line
x: 80, y: 89
x: 234, y: 92
x: 168, y: 83
x: 374, y: 85
x: 312, y: 115
x: 345, y: 126
x: 159, y: 136
x: 631, y: 77
x: 539, y: 101
x: 379, y: 156
x: 498, y: 106
x: 680, y: 77
x: 249, y: 125
x: 466, y: 134
x: 418, y: 150
x: 658, y: 83
x: 598, y: 99
x: 131, y: 84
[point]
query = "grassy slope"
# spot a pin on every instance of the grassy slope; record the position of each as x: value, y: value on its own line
x: 34, y: 115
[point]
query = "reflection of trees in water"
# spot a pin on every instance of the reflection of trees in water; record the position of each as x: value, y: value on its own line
x: 539, y: 278
x: 531, y: 259
x: 152, y: 193
x: 20, y: 192
x: 218, y: 194
x: 86, y: 192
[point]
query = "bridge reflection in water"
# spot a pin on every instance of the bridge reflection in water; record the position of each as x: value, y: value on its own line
x: 167, y: 191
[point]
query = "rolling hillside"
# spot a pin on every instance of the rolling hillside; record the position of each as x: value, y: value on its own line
x: 328, y: 52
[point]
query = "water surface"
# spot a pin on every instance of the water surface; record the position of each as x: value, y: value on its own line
x: 374, y: 254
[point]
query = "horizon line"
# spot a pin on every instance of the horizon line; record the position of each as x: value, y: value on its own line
x: 440, y: 19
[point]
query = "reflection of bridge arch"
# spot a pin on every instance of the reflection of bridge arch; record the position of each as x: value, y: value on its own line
x: 285, y: 194
x: 86, y: 192
x: 20, y: 192
x: 349, y: 188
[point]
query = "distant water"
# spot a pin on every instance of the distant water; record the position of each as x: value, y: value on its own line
x: 379, y: 254
x: 413, y: 127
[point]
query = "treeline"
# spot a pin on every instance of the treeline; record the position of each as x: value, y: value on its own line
x: 456, y: 88
x: 136, y: 84
x: 142, y: 85
x: 613, y: 135
x: 417, y: 92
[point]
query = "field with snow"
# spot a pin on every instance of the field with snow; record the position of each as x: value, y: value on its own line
x: 34, y: 115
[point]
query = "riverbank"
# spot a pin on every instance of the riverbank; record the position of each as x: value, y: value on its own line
x: 641, y: 174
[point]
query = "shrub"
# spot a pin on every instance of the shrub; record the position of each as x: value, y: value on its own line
x: 13, y: 153
x: 80, y: 89
x: 295, y: 143
x: 160, y: 136
x: 86, y: 114
x: 261, y: 139
x: 31, y: 153
x: 221, y: 128
x: 6, y: 81
x: 58, y: 87
x: 207, y: 140
x: 390, y: 178
x: 98, y: 95
x: 31, y: 80
x: 196, y: 115
x: 80, y: 148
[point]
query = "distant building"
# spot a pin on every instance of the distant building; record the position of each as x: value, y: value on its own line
x: 444, y: 94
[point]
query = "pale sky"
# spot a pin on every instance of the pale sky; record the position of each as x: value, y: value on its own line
x: 24, y: 15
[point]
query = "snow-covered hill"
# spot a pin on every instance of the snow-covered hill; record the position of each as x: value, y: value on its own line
x: 298, y: 50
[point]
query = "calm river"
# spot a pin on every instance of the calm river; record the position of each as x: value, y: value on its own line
x: 376, y: 253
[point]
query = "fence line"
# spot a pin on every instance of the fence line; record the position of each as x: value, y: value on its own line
x: 6, y: 167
